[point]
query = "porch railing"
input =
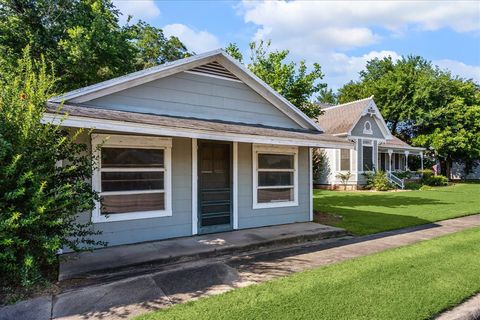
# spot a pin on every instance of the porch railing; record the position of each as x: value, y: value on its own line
x: 396, y: 180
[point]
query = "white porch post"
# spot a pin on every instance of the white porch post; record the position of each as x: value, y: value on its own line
x: 421, y: 161
x: 390, y: 151
x: 406, y: 160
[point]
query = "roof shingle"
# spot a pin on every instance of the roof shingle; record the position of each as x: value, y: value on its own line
x: 340, y: 119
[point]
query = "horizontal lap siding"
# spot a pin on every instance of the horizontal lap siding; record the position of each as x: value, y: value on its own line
x: 250, y: 218
x: 197, y: 96
x: 177, y: 225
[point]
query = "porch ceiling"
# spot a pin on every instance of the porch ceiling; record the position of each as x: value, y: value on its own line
x: 82, y: 116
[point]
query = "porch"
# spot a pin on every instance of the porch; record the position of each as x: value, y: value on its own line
x: 399, y: 160
x: 136, y: 258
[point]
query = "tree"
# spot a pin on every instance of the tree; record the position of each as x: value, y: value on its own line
x: 399, y: 89
x: 327, y: 96
x: 453, y: 131
x: 152, y: 47
x: 39, y: 198
x: 82, y: 38
x: 287, y: 78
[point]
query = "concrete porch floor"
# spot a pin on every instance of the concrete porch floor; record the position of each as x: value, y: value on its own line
x: 118, y: 258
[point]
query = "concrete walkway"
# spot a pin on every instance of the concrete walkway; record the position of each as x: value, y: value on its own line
x: 177, y: 283
x: 87, y: 264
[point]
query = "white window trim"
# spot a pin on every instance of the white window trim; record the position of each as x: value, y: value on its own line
x: 271, y: 149
x: 368, y: 143
x: 365, y: 130
x: 124, y: 141
x: 339, y: 157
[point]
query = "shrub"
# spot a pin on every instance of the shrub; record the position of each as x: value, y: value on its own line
x: 344, y: 177
x: 436, y: 181
x: 39, y: 199
x: 321, y: 168
x: 426, y: 173
x: 430, y: 179
x: 378, y: 181
x: 413, y: 186
x: 403, y: 174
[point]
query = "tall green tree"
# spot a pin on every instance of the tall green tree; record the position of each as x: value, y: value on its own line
x: 82, y: 38
x: 152, y: 47
x: 290, y: 79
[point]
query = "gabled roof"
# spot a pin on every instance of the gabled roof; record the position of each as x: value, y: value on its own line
x: 342, y: 118
x: 187, y: 64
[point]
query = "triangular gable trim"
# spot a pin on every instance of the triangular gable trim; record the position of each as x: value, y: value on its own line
x: 217, y: 56
x: 372, y: 108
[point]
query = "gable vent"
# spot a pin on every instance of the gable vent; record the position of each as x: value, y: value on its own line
x: 214, y: 69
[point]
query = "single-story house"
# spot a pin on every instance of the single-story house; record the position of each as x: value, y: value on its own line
x: 375, y: 147
x: 195, y: 146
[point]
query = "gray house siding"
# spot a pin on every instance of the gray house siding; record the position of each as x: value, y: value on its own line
x: 250, y: 218
x: 180, y: 223
x: 177, y: 225
x: 357, y: 131
x: 197, y: 96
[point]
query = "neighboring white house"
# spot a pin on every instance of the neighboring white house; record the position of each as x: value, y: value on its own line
x: 458, y: 172
x: 375, y: 147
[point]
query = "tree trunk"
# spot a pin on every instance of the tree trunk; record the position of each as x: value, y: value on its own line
x: 448, y: 164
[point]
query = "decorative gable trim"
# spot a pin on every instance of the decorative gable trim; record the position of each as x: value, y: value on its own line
x: 197, y: 63
x: 373, y: 111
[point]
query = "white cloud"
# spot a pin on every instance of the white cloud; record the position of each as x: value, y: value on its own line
x: 322, y: 30
x: 334, y: 25
x: 197, y: 41
x: 459, y: 68
x: 138, y: 9
x: 341, y: 68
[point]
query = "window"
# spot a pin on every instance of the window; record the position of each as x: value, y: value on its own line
x: 367, y: 155
x: 367, y: 128
x: 275, y: 176
x: 344, y: 160
x: 133, y: 177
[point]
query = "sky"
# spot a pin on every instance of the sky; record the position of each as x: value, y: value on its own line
x: 339, y: 35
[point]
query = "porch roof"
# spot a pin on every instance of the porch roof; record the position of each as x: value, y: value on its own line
x: 396, y: 143
x: 84, y: 116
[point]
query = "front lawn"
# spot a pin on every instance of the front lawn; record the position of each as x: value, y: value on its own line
x: 371, y: 212
x: 412, y: 282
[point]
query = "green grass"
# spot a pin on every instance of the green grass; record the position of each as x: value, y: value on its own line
x: 371, y: 212
x: 412, y: 282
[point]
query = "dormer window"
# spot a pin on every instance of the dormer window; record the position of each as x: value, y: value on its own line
x: 367, y: 128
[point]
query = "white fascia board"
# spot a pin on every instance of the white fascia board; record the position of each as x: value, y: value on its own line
x: 383, y: 125
x: 133, y: 127
x: 401, y: 148
x: 386, y: 132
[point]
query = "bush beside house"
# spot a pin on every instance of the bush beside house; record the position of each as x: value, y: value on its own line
x: 39, y: 198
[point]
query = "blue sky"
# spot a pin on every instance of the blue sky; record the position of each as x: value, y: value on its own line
x: 340, y: 35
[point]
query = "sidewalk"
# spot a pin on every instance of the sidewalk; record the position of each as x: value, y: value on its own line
x: 125, y: 298
x: 135, y: 256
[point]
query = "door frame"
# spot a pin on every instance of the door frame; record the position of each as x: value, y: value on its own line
x: 234, y: 185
